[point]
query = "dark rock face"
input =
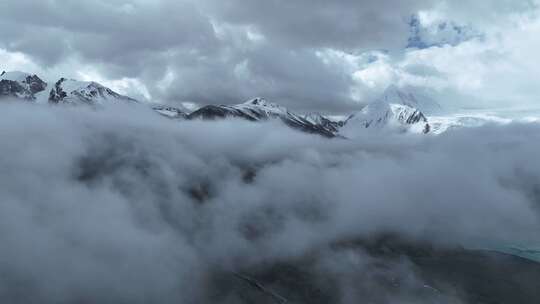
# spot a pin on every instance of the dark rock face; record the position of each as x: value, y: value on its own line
x: 170, y: 112
x: 309, y: 127
x: 25, y: 89
x: 257, y: 112
x: 323, y: 121
x: 9, y: 88
x: 331, y: 125
x: 35, y: 84
x: 212, y: 112
x: 57, y: 94
x: 417, y: 117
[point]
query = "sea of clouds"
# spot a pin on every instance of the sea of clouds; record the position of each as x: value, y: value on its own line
x: 121, y: 205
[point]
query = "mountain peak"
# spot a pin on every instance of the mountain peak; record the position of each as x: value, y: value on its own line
x: 385, y: 113
x: 258, y: 109
x: 261, y: 104
x: 73, y: 91
x: 260, y: 101
x: 256, y: 101
x: 20, y: 85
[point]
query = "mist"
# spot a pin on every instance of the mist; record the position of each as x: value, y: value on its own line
x: 121, y: 205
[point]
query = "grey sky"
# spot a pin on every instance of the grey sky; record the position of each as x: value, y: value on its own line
x: 302, y: 54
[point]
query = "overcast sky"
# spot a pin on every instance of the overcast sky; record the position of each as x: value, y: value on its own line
x: 304, y: 54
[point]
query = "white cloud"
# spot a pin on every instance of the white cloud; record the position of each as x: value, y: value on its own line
x: 498, y: 69
x: 132, y: 87
x: 16, y: 61
x: 307, y: 58
x: 106, y: 198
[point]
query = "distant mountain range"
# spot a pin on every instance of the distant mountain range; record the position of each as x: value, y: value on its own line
x: 395, y: 109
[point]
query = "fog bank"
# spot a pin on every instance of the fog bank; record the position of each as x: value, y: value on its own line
x: 120, y: 205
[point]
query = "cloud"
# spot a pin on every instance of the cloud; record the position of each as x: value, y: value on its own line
x: 112, y: 31
x: 484, y: 14
x: 264, y: 71
x: 123, y: 205
x: 340, y: 24
x: 217, y: 54
x: 427, y: 32
x: 492, y: 70
x: 226, y: 52
x: 15, y: 60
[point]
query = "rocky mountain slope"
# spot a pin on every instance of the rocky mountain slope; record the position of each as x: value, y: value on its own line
x: 79, y: 92
x: 20, y: 85
x: 259, y: 109
x: 382, y: 114
x: 394, y: 110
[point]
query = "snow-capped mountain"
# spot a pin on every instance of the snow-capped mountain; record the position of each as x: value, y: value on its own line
x: 385, y: 114
x: 259, y: 109
x: 80, y: 92
x: 327, y: 122
x: 395, y: 109
x: 378, y: 115
x: 21, y: 85
x: 254, y: 110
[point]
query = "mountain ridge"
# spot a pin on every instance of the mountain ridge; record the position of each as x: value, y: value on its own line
x: 394, y: 108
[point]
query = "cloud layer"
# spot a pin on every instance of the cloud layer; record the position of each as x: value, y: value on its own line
x: 125, y: 206
x: 303, y: 54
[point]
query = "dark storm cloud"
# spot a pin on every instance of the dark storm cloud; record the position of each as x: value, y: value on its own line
x: 113, y: 32
x: 145, y: 39
x: 294, y: 78
x: 283, y: 66
x: 342, y: 24
x: 124, y: 206
x: 223, y: 51
x: 131, y: 25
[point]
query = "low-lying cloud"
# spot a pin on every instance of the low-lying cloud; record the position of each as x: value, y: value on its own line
x: 121, y: 205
